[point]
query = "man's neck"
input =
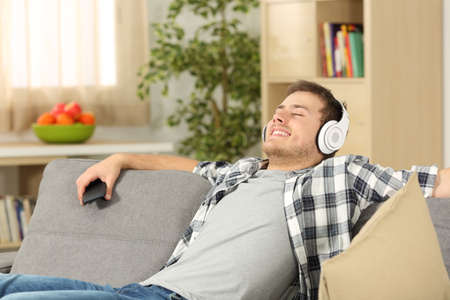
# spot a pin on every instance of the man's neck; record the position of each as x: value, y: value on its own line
x: 291, y: 165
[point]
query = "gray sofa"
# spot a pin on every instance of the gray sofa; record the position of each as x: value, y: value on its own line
x: 130, y: 237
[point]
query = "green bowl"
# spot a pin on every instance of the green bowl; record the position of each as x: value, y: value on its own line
x: 76, y: 133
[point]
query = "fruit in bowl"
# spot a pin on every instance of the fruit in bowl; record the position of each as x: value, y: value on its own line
x: 65, y: 123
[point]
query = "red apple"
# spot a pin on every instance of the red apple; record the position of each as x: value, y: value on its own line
x: 58, y: 109
x: 73, y: 109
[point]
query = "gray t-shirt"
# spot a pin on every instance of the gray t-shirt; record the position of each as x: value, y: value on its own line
x: 243, y: 250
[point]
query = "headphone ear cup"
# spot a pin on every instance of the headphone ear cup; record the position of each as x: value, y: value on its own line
x: 264, y: 134
x: 326, y: 134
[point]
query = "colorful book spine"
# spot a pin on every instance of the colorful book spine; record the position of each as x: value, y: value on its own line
x: 13, y: 222
x: 359, y: 53
x: 341, y: 45
x: 328, y: 53
x: 4, y: 226
x: 337, y: 58
x: 323, y: 55
x: 19, y: 215
x: 27, y: 209
x: 348, y: 59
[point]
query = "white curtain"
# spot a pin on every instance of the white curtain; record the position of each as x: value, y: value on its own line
x: 64, y: 50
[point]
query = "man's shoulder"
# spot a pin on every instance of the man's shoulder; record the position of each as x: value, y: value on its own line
x: 344, y: 159
x: 333, y: 165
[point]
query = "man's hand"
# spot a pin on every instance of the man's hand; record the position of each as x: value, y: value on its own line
x: 442, y: 185
x: 107, y: 170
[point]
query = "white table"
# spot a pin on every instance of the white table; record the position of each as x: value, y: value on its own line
x: 31, y: 157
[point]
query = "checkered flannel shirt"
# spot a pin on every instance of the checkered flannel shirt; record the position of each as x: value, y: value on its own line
x: 321, y: 205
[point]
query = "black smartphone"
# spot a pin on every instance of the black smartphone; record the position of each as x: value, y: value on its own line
x: 96, y: 190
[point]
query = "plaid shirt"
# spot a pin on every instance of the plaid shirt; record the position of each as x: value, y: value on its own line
x: 321, y: 205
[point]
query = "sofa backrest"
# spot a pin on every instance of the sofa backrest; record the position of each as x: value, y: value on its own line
x: 123, y: 240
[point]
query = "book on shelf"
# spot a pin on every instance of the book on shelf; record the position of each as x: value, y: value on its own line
x: 357, y: 53
x: 5, y: 235
x: 341, y: 49
x: 328, y: 49
x: 323, y: 55
x: 15, y: 215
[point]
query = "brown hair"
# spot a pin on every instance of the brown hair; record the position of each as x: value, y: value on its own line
x: 332, y: 109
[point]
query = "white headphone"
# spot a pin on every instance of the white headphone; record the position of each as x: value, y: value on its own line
x: 331, y: 135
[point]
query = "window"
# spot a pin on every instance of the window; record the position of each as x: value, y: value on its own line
x: 70, y: 43
x: 64, y: 50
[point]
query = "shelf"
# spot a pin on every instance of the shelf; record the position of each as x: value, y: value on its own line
x: 289, y: 79
x: 307, y: 1
x: 39, y: 153
x: 93, y: 148
x: 10, y: 246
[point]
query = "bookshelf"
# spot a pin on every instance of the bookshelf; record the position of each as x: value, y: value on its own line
x: 396, y: 108
x: 15, y: 215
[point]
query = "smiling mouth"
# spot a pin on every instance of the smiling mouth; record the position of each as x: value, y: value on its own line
x: 282, y: 133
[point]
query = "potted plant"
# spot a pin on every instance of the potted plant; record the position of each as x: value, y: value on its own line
x: 223, y: 111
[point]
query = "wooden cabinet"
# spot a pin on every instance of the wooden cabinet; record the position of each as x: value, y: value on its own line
x: 396, y: 108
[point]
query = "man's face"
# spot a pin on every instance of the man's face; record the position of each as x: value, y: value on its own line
x: 292, y: 132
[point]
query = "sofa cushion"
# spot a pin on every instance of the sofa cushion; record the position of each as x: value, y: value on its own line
x: 396, y: 255
x: 123, y: 240
x: 439, y: 209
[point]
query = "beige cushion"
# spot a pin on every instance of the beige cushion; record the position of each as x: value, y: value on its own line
x: 396, y: 255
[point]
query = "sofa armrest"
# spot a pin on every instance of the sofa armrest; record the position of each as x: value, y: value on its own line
x: 6, y: 261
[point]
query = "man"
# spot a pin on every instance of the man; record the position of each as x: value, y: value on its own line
x: 266, y: 226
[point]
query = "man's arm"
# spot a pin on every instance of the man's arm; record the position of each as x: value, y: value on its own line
x: 108, y: 170
x: 155, y: 162
x: 442, y: 185
x: 375, y: 183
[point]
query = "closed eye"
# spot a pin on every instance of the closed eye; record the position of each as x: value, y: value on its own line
x: 300, y: 115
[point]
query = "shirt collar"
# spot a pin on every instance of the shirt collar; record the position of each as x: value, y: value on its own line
x: 264, y: 163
